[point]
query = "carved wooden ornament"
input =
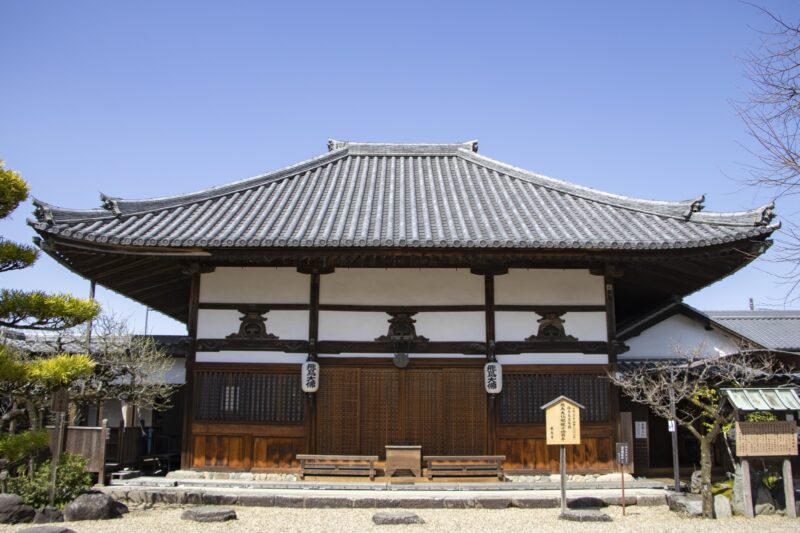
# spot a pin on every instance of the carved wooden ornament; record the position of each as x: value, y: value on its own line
x: 253, y: 326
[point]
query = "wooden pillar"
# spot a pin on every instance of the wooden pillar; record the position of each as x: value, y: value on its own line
x: 491, y: 417
x: 313, y: 338
x: 611, y: 320
x: 187, y: 452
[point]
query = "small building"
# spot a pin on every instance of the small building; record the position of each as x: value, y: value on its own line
x: 401, y: 269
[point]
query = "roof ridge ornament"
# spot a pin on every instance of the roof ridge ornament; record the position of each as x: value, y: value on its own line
x: 43, y: 212
x: 334, y: 145
x: 767, y: 214
x: 696, y: 206
x: 111, y: 204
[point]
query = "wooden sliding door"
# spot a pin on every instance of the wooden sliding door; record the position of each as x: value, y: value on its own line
x: 360, y: 410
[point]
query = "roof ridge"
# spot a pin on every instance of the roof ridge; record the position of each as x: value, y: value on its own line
x: 113, y: 207
x: 682, y: 209
x: 410, y: 149
x: 688, y: 210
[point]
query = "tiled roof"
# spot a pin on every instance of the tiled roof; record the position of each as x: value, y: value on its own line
x: 774, y: 330
x: 399, y: 196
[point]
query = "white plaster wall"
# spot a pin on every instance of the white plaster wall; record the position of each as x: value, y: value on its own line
x: 255, y: 285
x: 402, y: 286
x: 461, y: 326
x: 250, y: 357
x: 177, y: 373
x: 553, y: 359
x: 548, y: 287
x: 677, y: 334
x: 367, y: 326
x: 388, y: 356
x: 518, y: 325
x: 219, y: 323
x: 352, y: 326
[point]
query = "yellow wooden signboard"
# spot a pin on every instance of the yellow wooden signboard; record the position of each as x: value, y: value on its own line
x: 563, y: 421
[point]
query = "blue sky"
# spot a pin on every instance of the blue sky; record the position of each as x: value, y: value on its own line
x: 142, y: 99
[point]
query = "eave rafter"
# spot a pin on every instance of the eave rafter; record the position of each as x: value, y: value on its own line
x: 160, y: 279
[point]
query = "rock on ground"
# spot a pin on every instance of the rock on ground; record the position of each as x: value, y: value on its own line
x: 46, y: 529
x: 48, y: 515
x: 765, y: 503
x: 585, y: 515
x: 586, y: 502
x: 685, y: 504
x: 399, y: 517
x: 722, y: 506
x: 13, y: 511
x: 91, y: 506
x: 696, y: 484
x: 209, y: 513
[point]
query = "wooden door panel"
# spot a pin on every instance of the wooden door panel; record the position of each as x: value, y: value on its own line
x: 424, y: 420
x: 464, y: 402
x: 338, y: 411
x: 379, y: 415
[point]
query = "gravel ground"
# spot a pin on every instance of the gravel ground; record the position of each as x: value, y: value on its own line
x: 272, y: 519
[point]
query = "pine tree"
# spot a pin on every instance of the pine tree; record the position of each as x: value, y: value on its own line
x: 32, y: 309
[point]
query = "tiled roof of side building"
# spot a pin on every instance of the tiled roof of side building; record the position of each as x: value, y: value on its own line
x: 400, y: 196
x: 775, y: 330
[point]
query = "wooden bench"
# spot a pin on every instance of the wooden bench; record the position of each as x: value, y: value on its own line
x: 337, y: 465
x: 464, y: 465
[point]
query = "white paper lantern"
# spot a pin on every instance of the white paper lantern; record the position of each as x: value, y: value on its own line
x: 493, y: 377
x: 309, y: 376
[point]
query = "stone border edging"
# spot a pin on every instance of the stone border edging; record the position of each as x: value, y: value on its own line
x: 149, y: 498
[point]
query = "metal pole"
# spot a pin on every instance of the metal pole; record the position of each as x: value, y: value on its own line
x: 562, y: 458
x: 675, y: 466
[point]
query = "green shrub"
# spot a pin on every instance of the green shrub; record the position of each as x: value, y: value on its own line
x: 724, y: 488
x: 22, y: 446
x: 72, y: 479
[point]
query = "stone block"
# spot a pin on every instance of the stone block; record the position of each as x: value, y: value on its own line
x: 209, y: 513
x: 651, y: 500
x: 492, y: 503
x: 455, y: 502
x: 396, y: 518
x: 256, y: 500
x: 321, y: 502
x: 722, y: 506
x: 46, y: 529
x: 536, y: 503
x: 585, y: 515
x: 585, y: 502
x: 219, y: 499
x: 288, y: 501
x: 685, y: 504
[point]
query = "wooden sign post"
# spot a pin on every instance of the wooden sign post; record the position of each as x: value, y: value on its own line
x: 758, y: 440
x: 562, y: 427
x: 623, y: 458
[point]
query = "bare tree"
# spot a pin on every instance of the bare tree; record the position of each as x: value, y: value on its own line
x: 132, y: 368
x: 771, y: 113
x: 692, y: 382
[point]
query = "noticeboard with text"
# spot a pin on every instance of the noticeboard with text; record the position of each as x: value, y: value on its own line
x: 563, y: 422
x: 766, y: 439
